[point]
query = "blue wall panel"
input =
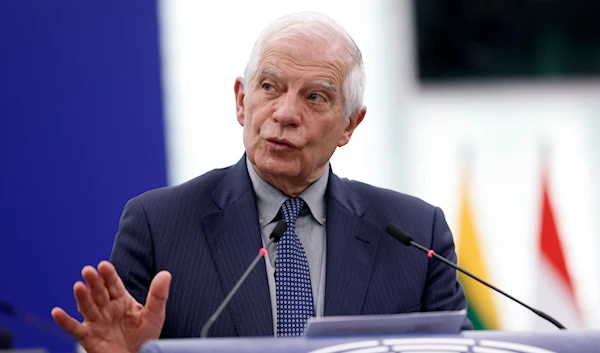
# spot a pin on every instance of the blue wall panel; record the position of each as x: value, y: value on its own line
x: 81, y: 132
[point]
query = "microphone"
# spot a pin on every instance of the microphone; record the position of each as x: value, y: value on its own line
x: 34, y: 321
x: 407, y: 240
x: 275, y: 236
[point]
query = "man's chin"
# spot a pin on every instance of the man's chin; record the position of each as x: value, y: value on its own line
x: 277, y: 167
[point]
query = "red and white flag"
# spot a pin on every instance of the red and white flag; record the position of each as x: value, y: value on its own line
x: 555, y: 291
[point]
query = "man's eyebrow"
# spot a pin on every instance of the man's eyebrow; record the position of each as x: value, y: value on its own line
x: 324, y: 84
x: 269, y: 72
x: 327, y: 85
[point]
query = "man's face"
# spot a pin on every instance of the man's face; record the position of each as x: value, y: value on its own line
x: 292, y: 111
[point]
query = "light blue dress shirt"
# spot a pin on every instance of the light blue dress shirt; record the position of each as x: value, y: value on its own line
x: 310, y: 228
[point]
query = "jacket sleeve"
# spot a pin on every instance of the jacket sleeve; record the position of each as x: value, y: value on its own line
x: 133, y: 251
x: 443, y: 292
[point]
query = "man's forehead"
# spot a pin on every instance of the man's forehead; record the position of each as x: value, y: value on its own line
x: 306, y: 53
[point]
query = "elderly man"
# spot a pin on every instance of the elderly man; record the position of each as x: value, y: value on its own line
x: 300, y: 99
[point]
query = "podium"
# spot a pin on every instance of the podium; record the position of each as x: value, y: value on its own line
x: 432, y: 332
x: 584, y: 341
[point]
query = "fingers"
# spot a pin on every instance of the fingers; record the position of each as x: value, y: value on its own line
x: 158, y: 294
x: 85, y: 304
x: 69, y: 324
x: 112, y: 281
x: 96, y: 286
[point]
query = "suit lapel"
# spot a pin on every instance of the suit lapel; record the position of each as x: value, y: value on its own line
x: 234, y: 239
x: 351, y: 249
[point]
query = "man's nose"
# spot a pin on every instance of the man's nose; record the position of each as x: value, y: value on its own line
x: 288, y: 109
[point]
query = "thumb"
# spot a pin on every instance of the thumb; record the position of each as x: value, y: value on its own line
x: 158, y: 294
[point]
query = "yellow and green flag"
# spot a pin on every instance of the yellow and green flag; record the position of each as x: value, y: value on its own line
x: 481, y: 311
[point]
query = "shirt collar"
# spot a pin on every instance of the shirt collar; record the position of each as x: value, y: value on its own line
x: 269, y: 199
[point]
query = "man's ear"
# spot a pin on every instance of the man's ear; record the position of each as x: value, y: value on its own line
x: 353, y: 121
x: 238, y: 88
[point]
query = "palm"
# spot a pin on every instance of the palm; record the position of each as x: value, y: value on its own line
x: 113, y: 320
x: 120, y: 325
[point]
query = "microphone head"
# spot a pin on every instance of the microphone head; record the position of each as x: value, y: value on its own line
x: 7, y: 309
x: 277, y: 233
x: 399, y: 234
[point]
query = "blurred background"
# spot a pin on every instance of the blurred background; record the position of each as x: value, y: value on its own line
x: 487, y: 109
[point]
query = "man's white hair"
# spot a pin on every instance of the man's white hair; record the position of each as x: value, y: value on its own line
x: 323, y: 30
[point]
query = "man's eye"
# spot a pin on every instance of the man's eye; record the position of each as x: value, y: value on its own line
x: 316, y: 97
x: 268, y: 87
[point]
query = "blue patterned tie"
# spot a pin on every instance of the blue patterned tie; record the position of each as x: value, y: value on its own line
x: 294, y: 292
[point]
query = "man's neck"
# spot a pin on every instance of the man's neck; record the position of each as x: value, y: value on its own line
x: 290, y: 188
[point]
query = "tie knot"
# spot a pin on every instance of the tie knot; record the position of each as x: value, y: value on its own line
x: 291, y: 210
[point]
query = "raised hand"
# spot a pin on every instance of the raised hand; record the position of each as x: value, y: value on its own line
x: 113, y: 320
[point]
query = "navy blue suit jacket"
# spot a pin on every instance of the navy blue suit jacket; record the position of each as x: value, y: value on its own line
x: 206, y: 233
